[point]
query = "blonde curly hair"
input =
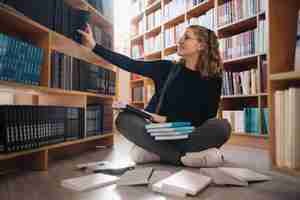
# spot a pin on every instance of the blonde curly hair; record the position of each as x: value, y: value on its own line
x: 209, y: 61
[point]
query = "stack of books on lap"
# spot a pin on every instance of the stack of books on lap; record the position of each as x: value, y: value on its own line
x: 170, y: 131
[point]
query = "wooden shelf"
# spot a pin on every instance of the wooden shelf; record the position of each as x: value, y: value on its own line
x: 174, y: 21
x: 40, y: 90
x: 153, y: 32
x: 238, y: 26
x: 153, y: 55
x: 200, y: 9
x: 248, y: 140
x: 20, y: 23
x: 137, y: 80
x: 242, y: 59
x: 96, y: 17
x: 69, y: 47
x: 54, y: 146
x: 240, y: 96
x: 138, y: 38
x: 285, y: 76
x: 137, y: 102
x: 153, y: 6
x: 244, y: 96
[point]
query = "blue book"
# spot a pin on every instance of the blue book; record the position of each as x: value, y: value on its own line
x: 167, y: 125
x: 181, y: 128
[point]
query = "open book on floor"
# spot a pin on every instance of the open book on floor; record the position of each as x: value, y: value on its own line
x: 89, y: 182
x: 233, y: 176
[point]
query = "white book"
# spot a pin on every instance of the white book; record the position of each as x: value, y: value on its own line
x: 244, y: 174
x: 184, y: 182
x: 171, y: 133
x: 136, y: 177
x: 89, y: 182
x: 285, y: 130
x: 172, y: 137
x: 158, y: 175
x: 294, y: 127
x: 219, y: 177
x: 279, y: 139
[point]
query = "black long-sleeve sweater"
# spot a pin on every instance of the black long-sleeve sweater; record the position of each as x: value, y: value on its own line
x: 190, y: 97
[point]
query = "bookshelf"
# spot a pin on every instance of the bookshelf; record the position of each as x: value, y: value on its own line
x: 232, y: 27
x: 23, y: 27
x: 282, y: 71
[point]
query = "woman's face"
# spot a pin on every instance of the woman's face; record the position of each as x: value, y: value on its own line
x: 189, y: 44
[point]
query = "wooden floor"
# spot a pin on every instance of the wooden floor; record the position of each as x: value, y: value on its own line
x: 35, y: 185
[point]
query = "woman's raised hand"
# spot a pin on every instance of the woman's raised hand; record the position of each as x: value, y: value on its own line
x: 87, y: 37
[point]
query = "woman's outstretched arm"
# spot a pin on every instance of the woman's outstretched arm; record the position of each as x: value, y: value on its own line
x: 151, y: 69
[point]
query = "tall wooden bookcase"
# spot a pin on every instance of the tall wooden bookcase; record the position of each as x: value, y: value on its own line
x: 22, y: 27
x: 282, y: 17
x: 258, y: 100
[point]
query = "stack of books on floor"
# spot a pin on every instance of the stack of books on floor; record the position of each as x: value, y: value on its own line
x: 170, y: 131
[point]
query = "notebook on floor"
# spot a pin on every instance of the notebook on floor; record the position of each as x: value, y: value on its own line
x: 233, y: 176
x: 136, y: 177
x: 89, y: 182
x: 182, y: 183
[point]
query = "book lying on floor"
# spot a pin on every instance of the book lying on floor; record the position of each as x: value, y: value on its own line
x: 233, y: 176
x: 167, y: 125
x: 91, y: 164
x: 182, y: 183
x: 89, y: 182
x: 136, y: 177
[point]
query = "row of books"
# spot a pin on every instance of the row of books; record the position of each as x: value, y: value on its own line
x: 235, y: 10
x: 72, y: 74
x: 153, y: 19
x: 191, y: 3
x: 247, y: 120
x: 102, y: 37
x: 240, y: 83
x: 57, y: 15
x: 287, y: 127
x: 137, y: 7
x: 153, y: 44
x: 137, y: 51
x: 99, y: 119
x: 19, y: 61
x: 138, y: 94
x: 173, y: 9
x: 54, y: 14
x: 173, y: 34
x: 207, y: 20
x: 243, y: 44
x: 27, y: 127
x: 104, y: 7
